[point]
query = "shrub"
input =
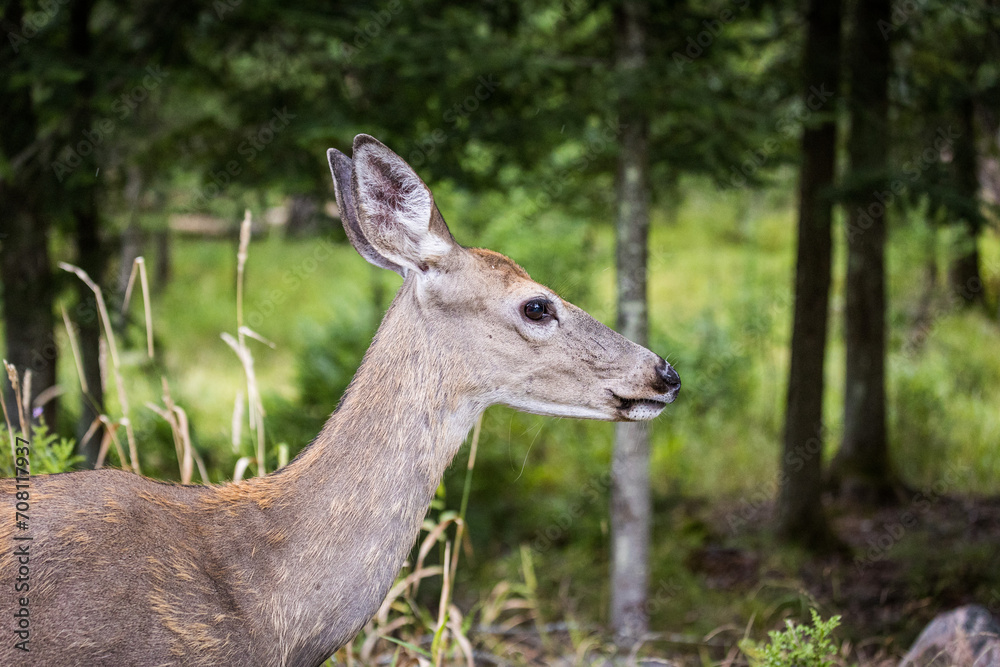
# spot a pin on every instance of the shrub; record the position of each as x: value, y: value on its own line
x: 796, y: 645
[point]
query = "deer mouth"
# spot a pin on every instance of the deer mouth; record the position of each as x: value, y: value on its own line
x: 639, y: 409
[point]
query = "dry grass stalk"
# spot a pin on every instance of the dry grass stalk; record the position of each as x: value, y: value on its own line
x: 401, y: 627
x: 202, y: 470
x: 255, y: 404
x: 73, y: 333
x: 237, y: 428
x: 91, y: 430
x: 102, y: 452
x: 26, y: 392
x: 15, y: 384
x: 382, y: 617
x: 139, y: 267
x: 368, y: 647
x: 10, y: 431
x: 242, y: 253
x: 174, y: 415
x: 182, y: 434
x: 3, y: 404
x: 449, y: 619
x: 46, y: 395
x: 110, y: 436
x: 434, y: 534
x: 176, y: 418
x: 455, y: 625
x: 109, y: 334
x: 442, y: 608
x: 241, y: 467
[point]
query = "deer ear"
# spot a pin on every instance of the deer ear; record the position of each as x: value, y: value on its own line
x: 396, y: 212
x: 342, y: 170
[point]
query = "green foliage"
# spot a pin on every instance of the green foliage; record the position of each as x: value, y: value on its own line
x: 50, y: 453
x: 558, y: 246
x: 725, y: 365
x: 948, y: 423
x: 329, y: 361
x: 796, y: 645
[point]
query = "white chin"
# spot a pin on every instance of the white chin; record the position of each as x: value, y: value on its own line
x: 642, y: 411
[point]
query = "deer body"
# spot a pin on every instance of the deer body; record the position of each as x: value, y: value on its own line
x: 285, y: 569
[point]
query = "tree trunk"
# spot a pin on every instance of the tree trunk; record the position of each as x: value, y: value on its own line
x: 91, y: 255
x: 630, y: 503
x: 28, y: 284
x: 861, y: 468
x: 28, y: 292
x: 966, y: 280
x: 800, y: 512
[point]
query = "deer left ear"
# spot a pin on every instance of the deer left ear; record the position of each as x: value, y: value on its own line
x: 396, y: 212
x: 342, y: 170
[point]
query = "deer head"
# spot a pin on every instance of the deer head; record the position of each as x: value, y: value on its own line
x: 509, y: 340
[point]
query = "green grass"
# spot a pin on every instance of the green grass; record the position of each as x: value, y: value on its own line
x: 291, y: 290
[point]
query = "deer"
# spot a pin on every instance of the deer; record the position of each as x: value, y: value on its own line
x: 286, y: 568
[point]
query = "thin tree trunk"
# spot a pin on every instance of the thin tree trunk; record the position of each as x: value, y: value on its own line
x: 966, y: 280
x: 800, y: 511
x: 630, y: 503
x: 861, y: 468
x: 28, y: 284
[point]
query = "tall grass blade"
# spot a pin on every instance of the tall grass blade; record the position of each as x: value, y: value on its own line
x: 109, y: 335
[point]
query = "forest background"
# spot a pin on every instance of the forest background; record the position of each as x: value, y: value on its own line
x: 800, y: 196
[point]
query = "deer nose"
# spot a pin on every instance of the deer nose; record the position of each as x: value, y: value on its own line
x: 668, y: 376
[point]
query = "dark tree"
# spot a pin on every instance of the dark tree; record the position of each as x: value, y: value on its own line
x: 630, y: 503
x: 91, y: 254
x: 861, y: 468
x: 28, y: 286
x: 800, y: 512
x: 70, y: 126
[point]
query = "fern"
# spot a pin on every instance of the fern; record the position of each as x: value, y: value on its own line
x: 49, y: 452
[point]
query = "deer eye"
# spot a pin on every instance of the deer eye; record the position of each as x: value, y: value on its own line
x: 537, y: 310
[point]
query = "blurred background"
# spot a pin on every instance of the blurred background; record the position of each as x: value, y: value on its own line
x: 804, y: 195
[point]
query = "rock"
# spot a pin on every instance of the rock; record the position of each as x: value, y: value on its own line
x: 964, y: 637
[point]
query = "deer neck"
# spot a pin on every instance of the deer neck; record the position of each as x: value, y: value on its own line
x: 357, y: 496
